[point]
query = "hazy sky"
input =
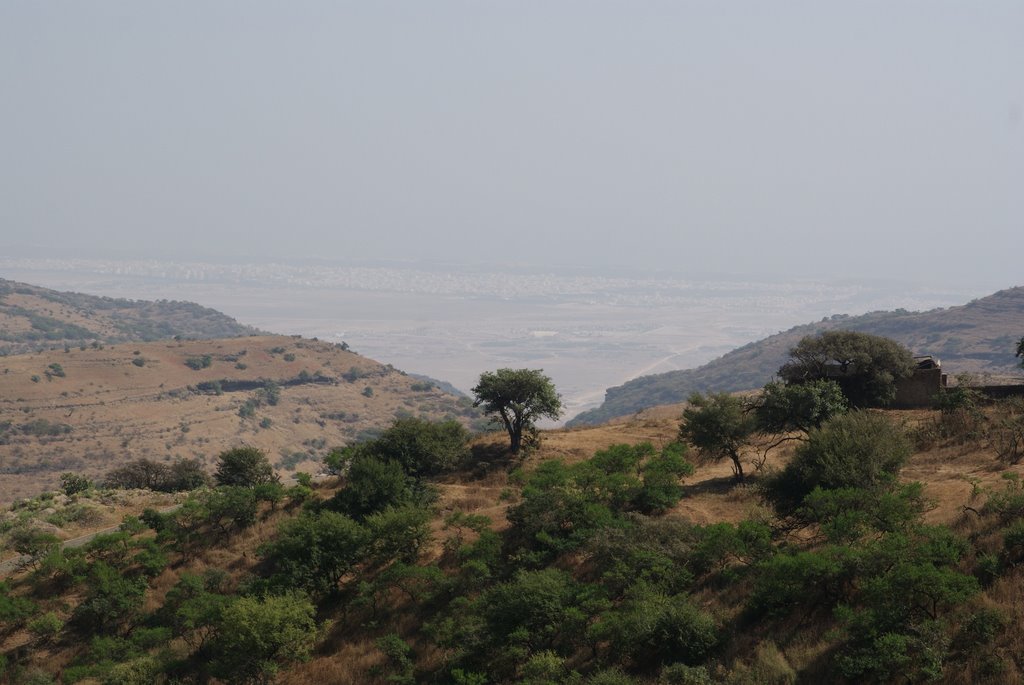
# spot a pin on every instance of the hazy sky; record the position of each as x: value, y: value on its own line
x: 806, y: 138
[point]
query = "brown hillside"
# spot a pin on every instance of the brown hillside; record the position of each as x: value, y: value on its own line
x: 123, y: 402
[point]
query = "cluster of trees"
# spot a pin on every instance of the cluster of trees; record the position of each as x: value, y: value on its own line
x: 827, y: 375
x: 179, y: 475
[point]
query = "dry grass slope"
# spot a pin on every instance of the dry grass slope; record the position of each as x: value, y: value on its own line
x: 121, y: 402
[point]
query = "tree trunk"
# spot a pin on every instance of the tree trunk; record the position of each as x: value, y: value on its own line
x: 515, y: 435
x: 737, y: 467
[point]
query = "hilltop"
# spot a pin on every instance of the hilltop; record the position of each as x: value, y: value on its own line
x: 91, y: 408
x: 34, y: 318
x: 978, y: 337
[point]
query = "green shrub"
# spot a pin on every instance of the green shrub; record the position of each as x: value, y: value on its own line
x: 856, y: 450
x: 661, y: 475
x: 398, y: 533
x: 1008, y: 503
x: 817, y: 578
x: 256, y: 636
x: 681, y: 674
x: 610, y: 676
x: 655, y: 628
x: 32, y: 542
x: 653, y: 551
x: 142, y: 670
x: 14, y: 610
x: 231, y: 507
x: 112, y: 600
x: 847, y: 514
x: 353, y: 374
x: 197, y: 363
x: 72, y: 483
x: 399, y: 655
x: 785, y: 408
x: 372, y: 485
x: 1013, y: 541
x: 982, y: 627
x: 315, y: 550
x: 46, y: 626
x: 244, y: 466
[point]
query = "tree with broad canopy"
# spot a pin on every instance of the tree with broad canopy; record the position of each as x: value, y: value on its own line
x: 518, y: 397
x: 865, y: 366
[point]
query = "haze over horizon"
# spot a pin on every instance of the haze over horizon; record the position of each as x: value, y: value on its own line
x: 587, y: 330
x: 792, y: 140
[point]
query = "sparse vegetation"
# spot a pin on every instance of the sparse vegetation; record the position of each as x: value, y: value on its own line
x: 200, y: 362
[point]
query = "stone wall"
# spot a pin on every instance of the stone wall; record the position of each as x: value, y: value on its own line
x: 920, y: 389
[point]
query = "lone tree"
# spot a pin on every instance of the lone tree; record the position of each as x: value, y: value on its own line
x: 719, y: 426
x: 244, y: 466
x: 518, y: 397
x: 1020, y: 351
x: 865, y: 366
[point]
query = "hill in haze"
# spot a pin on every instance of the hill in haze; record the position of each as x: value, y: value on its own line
x: 33, y: 318
x: 978, y: 337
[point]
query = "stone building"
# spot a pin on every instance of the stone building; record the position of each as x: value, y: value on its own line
x: 920, y: 389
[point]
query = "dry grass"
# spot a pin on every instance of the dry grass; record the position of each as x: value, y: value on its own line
x: 117, y: 411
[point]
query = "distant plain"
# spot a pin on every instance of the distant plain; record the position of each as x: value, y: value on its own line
x: 588, y: 330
